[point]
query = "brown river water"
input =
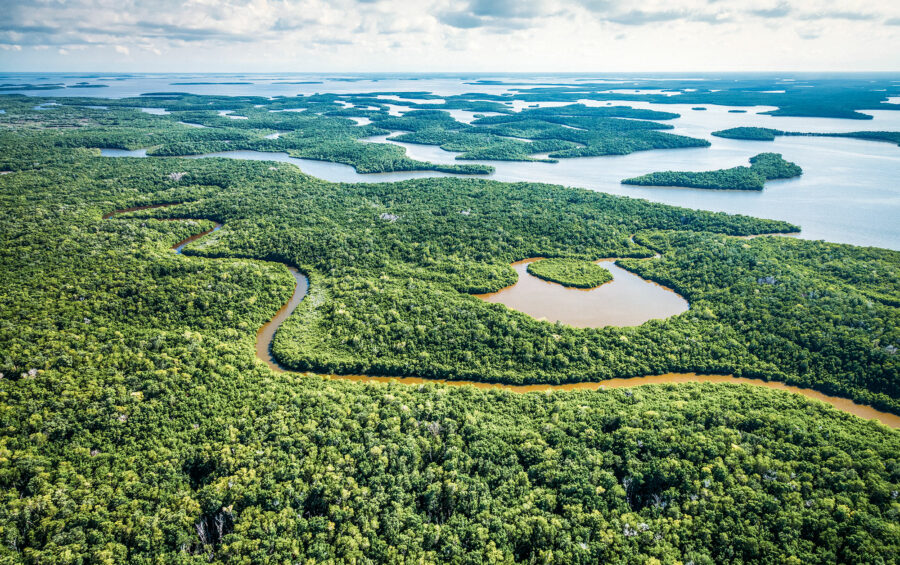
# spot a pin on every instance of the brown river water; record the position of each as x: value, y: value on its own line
x: 266, y: 333
x: 627, y: 300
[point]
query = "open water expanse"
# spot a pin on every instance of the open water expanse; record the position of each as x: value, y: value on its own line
x: 849, y: 191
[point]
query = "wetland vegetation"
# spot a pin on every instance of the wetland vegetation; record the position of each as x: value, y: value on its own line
x: 769, y: 134
x: 763, y: 167
x: 137, y: 424
x: 570, y: 272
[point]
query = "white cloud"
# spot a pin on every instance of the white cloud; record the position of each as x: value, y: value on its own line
x: 429, y: 35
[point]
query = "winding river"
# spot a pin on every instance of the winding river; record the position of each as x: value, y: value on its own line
x: 267, y: 332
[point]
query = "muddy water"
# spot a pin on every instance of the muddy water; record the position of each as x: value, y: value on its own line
x: 179, y: 247
x: 266, y: 333
x: 627, y: 300
x: 842, y: 404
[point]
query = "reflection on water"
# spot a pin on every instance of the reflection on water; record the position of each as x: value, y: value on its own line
x: 627, y: 300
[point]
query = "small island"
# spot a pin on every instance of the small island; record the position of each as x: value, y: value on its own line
x: 570, y: 272
x: 763, y: 167
x: 769, y: 134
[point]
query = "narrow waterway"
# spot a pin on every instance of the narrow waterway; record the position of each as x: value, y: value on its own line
x: 267, y: 332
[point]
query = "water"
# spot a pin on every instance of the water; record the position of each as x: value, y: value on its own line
x: 267, y: 332
x: 334, y: 172
x: 627, y: 300
x: 227, y: 114
x: 848, y: 192
x: 124, y: 152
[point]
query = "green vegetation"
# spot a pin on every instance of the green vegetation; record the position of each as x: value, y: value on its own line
x: 771, y: 166
x: 763, y: 167
x: 318, y: 127
x: 311, y: 134
x: 824, y: 97
x: 136, y: 424
x: 581, y: 131
x: 569, y: 131
x: 570, y: 272
x: 749, y: 133
x: 767, y: 134
x: 474, y: 145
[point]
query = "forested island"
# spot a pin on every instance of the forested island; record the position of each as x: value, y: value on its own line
x: 763, y: 167
x: 769, y: 134
x: 137, y: 424
x: 570, y: 272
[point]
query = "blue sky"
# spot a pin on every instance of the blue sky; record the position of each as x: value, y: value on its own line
x: 444, y: 35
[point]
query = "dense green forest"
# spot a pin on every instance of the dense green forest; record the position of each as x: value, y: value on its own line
x: 136, y: 424
x: 763, y: 167
x: 768, y: 134
x: 570, y: 272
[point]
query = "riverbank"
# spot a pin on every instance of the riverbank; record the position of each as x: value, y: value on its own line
x: 267, y: 332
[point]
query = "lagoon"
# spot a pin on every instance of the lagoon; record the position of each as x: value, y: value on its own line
x: 627, y: 300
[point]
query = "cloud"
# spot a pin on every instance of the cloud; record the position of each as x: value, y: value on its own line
x: 510, y: 14
x: 810, y: 33
x: 781, y: 10
x: 458, y: 34
x: 838, y: 15
x: 461, y: 20
x: 640, y: 17
x: 507, y: 8
x: 652, y: 13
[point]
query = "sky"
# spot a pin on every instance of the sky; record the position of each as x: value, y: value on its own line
x: 449, y: 35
